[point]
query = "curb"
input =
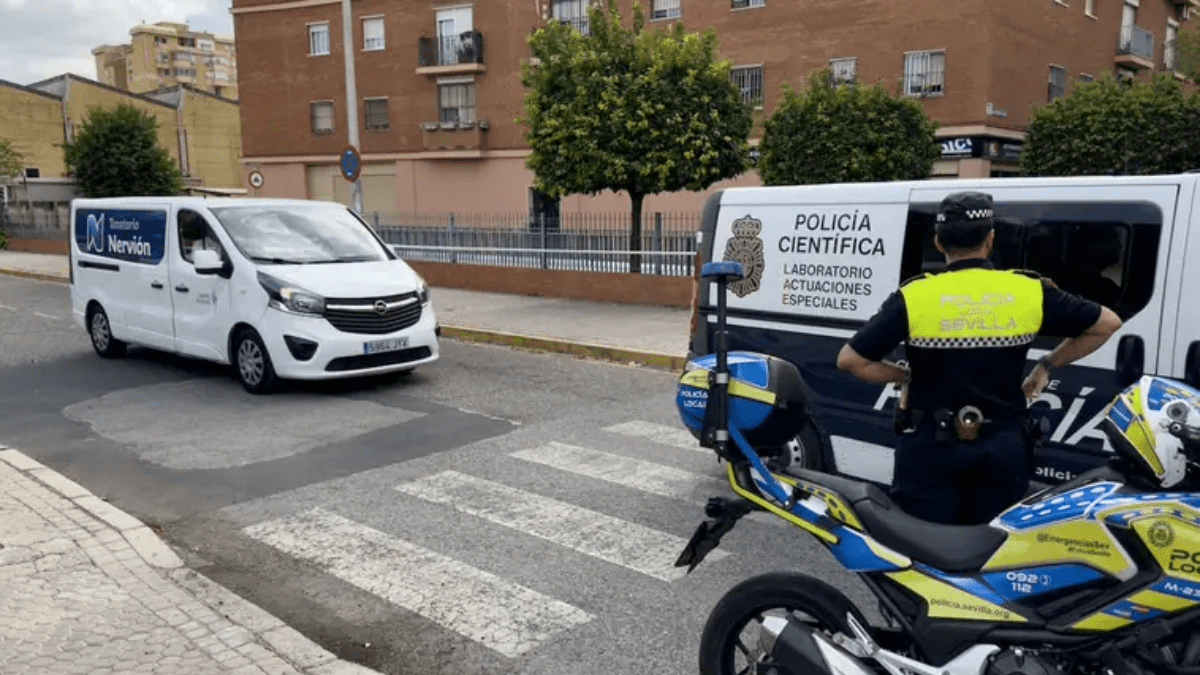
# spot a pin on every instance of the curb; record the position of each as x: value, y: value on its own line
x: 304, y: 654
x: 561, y: 346
x: 536, y: 343
x: 40, y: 276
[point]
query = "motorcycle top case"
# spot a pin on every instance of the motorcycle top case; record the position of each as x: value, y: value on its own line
x: 768, y: 402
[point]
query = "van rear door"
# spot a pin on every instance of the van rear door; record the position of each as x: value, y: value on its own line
x: 1181, y: 324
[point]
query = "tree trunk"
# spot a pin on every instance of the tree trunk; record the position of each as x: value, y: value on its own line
x: 635, y: 232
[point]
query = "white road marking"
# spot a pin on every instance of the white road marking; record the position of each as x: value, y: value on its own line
x: 46, y: 316
x: 610, y: 539
x: 503, y: 616
x: 664, y: 481
x: 659, y: 433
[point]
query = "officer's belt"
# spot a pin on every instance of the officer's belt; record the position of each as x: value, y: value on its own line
x: 965, y: 423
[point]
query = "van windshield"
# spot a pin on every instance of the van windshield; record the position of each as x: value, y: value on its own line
x: 300, y: 234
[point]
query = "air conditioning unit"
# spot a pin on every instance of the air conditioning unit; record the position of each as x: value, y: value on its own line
x: 484, y: 125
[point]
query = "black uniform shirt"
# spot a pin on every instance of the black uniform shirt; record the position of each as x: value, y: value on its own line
x: 989, y: 377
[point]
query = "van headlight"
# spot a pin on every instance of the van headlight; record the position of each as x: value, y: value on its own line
x: 293, y: 299
x: 422, y: 291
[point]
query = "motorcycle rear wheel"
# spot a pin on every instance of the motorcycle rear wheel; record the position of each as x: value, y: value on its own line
x: 729, y: 643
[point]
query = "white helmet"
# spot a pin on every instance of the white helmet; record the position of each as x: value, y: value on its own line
x: 1152, y: 423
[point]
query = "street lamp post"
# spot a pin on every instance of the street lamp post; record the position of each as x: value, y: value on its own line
x: 351, y: 96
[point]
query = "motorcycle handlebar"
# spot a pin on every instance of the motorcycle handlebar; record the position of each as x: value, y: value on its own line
x: 1188, y: 434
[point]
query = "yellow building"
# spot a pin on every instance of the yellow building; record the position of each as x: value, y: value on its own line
x: 33, y: 121
x: 201, y: 131
x: 166, y: 54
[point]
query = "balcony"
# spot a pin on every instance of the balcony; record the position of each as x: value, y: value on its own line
x: 448, y: 135
x: 449, y: 54
x: 1170, y: 60
x: 578, y: 23
x: 1136, y: 48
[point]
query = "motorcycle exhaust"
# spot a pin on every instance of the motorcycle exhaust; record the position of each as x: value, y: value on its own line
x: 800, y: 651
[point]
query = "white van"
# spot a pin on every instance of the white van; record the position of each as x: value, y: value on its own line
x: 821, y: 259
x: 279, y: 288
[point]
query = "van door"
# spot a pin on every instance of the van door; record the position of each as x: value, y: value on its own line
x: 1110, y: 244
x: 131, y: 281
x: 202, y: 301
x: 1182, y: 360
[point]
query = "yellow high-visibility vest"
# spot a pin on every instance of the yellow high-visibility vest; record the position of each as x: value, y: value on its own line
x: 973, y: 307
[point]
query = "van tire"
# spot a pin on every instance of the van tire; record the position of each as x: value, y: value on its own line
x: 100, y: 331
x: 252, y: 363
x: 805, y: 451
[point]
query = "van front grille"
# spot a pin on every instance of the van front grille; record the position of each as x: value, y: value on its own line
x: 359, y: 315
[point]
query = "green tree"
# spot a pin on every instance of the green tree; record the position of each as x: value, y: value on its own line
x: 11, y: 161
x: 847, y: 133
x: 116, y: 153
x: 627, y: 109
x: 1187, y: 52
x: 1109, y: 127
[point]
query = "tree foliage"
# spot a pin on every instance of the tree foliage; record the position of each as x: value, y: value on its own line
x: 1187, y: 52
x: 11, y: 161
x: 1108, y: 127
x: 116, y: 153
x: 627, y: 109
x: 847, y: 133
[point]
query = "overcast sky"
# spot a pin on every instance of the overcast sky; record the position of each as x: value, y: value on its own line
x: 43, y: 38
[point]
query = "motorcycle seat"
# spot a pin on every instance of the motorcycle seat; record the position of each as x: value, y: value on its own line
x: 949, y: 548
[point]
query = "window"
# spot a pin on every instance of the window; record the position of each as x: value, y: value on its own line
x: 665, y: 9
x: 185, y: 72
x: 322, y: 117
x: 33, y: 172
x: 195, y: 235
x: 318, y: 39
x: 456, y: 101
x: 1085, y: 78
x: 543, y: 211
x: 924, y: 73
x: 372, y: 33
x: 844, y: 70
x: 1058, y: 83
x: 573, y: 12
x: 187, y: 42
x: 1169, y: 60
x: 376, y: 110
x: 1088, y: 249
x: 742, y: 4
x: 160, y: 40
x: 749, y: 80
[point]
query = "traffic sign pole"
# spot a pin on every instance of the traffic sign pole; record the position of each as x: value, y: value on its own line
x: 351, y: 102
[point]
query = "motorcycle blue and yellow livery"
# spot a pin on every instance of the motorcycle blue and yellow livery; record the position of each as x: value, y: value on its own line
x: 1099, y: 575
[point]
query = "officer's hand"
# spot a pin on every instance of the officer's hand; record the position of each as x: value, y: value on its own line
x: 1034, y: 384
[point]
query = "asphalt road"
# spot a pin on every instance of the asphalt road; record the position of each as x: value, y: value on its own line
x: 497, y: 512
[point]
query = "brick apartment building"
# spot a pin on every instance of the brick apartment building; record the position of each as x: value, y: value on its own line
x: 439, y: 88
x: 166, y: 54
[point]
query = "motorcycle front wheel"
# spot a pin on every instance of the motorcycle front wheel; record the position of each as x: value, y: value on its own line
x: 730, y: 642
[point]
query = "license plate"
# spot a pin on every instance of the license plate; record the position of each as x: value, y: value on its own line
x: 380, y: 346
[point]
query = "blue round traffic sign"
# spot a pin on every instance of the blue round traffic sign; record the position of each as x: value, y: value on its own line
x: 351, y: 163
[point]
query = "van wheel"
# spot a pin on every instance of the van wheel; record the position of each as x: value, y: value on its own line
x: 253, y: 363
x: 804, y: 451
x: 100, y: 330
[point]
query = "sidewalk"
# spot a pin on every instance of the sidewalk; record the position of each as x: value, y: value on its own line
x: 85, y: 587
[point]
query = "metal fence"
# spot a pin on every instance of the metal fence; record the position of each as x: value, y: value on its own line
x: 580, y: 242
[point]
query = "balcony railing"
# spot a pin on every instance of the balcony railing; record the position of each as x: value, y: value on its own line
x: 579, y: 23
x: 450, y: 50
x: 742, y: 4
x: 1137, y: 41
x: 1170, y: 56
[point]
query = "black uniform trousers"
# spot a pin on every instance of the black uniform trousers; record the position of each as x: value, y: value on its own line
x: 944, y: 480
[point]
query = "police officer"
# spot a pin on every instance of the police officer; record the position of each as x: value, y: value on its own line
x: 963, y: 449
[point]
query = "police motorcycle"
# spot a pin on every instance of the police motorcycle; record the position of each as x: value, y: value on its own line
x: 1099, y: 575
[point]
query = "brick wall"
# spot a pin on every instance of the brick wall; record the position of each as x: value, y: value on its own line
x: 84, y: 94
x: 213, y: 139
x: 639, y: 289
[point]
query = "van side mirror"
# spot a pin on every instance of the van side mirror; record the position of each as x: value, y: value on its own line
x: 1131, y: 359
x: 207, y: 262
x: 1191, y: 368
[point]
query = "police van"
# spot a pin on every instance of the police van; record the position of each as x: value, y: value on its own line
x: 821, y: 259
x: 277, y: 288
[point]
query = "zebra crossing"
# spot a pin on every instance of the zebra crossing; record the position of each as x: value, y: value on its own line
x: 507, y: 617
